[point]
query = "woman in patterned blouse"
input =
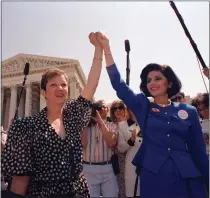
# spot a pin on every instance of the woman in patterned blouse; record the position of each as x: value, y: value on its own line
x: 43, y: 154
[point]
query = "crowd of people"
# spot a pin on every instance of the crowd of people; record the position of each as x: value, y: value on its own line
x: 152, y: 144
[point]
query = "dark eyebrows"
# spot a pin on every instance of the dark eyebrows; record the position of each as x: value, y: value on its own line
x: 157, y: 76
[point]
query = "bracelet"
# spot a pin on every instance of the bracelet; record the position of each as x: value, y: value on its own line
x: 108, y: 54
x: 97, y: 58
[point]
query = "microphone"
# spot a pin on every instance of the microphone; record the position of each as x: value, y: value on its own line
x: 127, y: 46
x: 26, y: 71
x: 127, y: 49
x: 187, y: 33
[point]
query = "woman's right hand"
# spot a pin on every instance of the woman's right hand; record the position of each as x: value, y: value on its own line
x: 104, y: 42
x: 134, y: 134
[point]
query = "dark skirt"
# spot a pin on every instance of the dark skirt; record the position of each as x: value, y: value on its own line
x: 168, y: 183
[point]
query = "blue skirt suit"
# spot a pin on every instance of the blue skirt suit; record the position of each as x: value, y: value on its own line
x: 172, y: 160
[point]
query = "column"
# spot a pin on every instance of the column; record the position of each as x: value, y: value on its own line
x: 78, y: 89
x: 35, y: 98
x: 72, y: 87
x: 21, y: 110
x: 13, y: 103
x: 28, y: 100
x: 5, y: 111
x: 43, y: 103
x: 40, y: 101
x: 69, y: 97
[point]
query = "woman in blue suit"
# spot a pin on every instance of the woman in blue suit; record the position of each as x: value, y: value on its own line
x: 172, y: 161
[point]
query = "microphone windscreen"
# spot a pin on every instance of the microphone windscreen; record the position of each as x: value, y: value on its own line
x: 26, y: 69
x: 127, y: 46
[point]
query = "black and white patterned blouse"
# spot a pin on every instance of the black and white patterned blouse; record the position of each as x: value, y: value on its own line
x: 54, y: 164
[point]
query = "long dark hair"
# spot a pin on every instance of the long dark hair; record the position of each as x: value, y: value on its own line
x: 167, y: 72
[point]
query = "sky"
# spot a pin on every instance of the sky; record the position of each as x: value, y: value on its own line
x: 61, y: 29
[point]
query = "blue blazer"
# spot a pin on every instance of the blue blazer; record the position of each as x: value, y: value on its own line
x: 174, y: 131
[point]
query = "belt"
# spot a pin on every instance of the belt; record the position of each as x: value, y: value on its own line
x: 97, y: 163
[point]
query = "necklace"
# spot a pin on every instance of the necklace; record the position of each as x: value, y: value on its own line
x: 164, y: 105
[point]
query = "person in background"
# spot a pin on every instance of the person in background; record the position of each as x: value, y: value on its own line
x: 201, y: 103
x: 43, y: 152
x: 3, y: 142
x: 129, y: 141
x: 179, y: 97
x: 3, y: 138
x: 118, y: 114
x: 98, y: 140
x: 172, y: 161
x: 4, y: 135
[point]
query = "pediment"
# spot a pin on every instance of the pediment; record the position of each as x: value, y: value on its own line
x: 15, y: 65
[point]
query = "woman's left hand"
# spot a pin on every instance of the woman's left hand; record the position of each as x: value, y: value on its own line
x: 93, y: 40
x: 103, y: 40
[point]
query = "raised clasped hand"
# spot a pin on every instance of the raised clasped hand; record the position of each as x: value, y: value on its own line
x: 93, y: 40
x: 98, y: 39
x: 102, y: 39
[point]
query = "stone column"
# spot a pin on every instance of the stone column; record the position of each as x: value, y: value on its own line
x: 21, y: 110
x: 78, y: 89
x: 72, y: 87
x: 13, y: 102
x: 40, y: 101
x: 69, y: 91
x: 43, y: 103
x: 28, y: 100
x: 35, y: 107
x: 5, y: 110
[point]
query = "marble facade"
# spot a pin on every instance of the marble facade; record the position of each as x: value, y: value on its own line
x: 31, y: 102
